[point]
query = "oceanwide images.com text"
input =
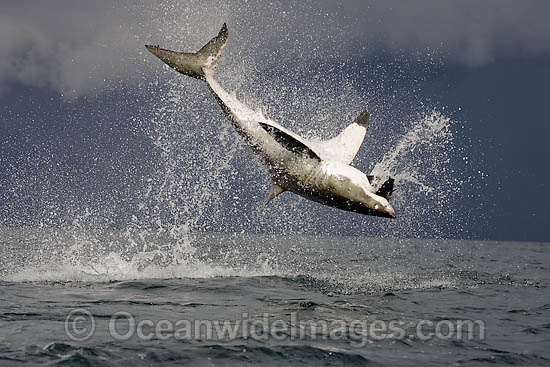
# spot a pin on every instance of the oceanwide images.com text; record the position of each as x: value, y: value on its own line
x: 80, y: 326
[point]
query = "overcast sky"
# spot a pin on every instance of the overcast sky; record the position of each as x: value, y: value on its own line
x: 73, y: 46
x: 76, y: 73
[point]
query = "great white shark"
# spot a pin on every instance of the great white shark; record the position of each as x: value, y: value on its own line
x: 317, y: 170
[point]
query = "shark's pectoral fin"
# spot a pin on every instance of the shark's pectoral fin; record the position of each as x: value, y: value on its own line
x: 289, y: 142
x: 276, y: 190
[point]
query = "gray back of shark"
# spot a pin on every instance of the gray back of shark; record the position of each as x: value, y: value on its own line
x: 317, y: 170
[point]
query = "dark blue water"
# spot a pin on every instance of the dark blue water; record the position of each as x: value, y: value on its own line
x: 281, y: 285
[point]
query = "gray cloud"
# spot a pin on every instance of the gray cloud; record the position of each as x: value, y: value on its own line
x: 472, y: 32
x: 65, y: 45
x: 80, y: 47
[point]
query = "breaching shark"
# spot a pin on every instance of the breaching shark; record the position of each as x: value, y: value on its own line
x: 317, y: 170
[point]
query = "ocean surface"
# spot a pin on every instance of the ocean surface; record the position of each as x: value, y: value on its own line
x: 92, y: 298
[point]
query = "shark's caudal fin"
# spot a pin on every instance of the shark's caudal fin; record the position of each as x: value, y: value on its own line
x: 192, y: 64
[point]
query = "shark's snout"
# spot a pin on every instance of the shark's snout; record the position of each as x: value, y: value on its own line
x: 385, y: 211
x: 390, y: 211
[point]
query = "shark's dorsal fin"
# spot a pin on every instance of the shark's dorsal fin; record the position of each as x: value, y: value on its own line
x: 275, y: 191
x: 289, y: 142
x: 345, y: 146
x: 362, y: 119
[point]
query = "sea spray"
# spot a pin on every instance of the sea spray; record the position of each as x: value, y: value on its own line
x: 205, y: 179
x: 412, y: 159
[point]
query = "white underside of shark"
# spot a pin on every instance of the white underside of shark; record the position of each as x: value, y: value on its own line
x: 317, y: 170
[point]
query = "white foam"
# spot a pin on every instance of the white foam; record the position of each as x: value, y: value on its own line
x: 114, y: 268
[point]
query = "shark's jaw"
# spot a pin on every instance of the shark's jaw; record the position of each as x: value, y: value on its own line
x: 351, y: 204
x: 334, y: 184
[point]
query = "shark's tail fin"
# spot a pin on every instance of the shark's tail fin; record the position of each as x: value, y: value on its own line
x: 192, y: 64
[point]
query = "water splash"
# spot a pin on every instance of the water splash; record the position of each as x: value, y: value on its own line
x: 114, y: 268
x: 427, y: 181
x: 199, y: 183
x: 409, y: 161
